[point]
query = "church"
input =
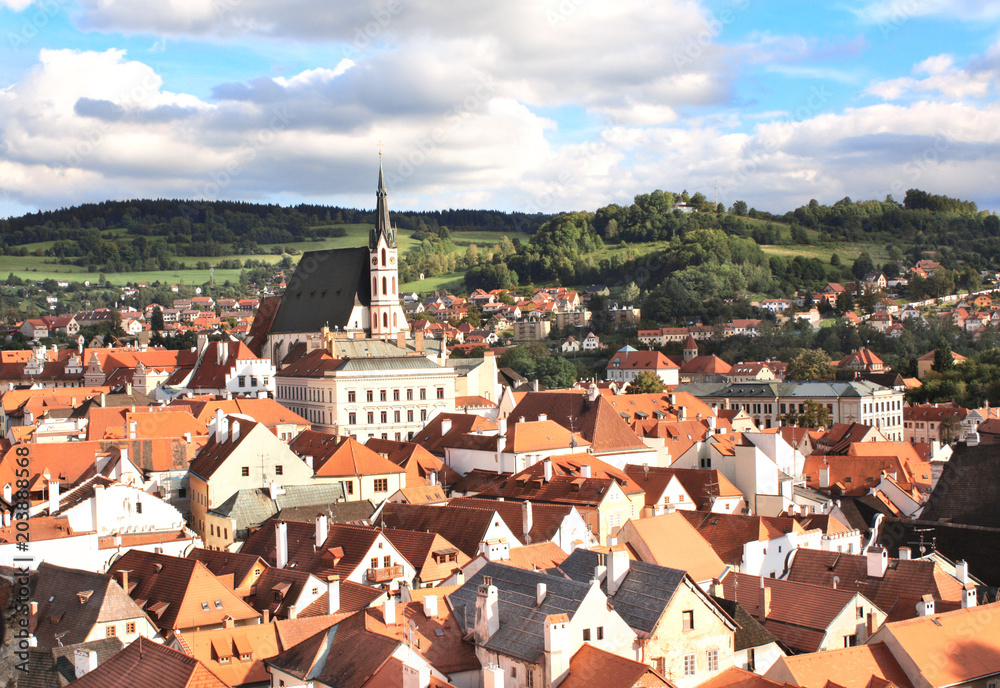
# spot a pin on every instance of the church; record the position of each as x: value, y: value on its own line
x: 350, y: 292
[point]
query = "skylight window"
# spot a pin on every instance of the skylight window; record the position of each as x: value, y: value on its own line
x: 204, y: 606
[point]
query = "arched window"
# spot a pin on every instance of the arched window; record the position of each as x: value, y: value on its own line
x: 394, y: 322
x: 374, y: 286
x: 383, y: 257
x: 385, y: 321
x: 385, y: 289
x: 394, y: 286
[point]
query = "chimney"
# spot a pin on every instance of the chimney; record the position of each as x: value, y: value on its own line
x: 430, y: 606
x: 389, y: 611
x: 84, y: 661
x: 878, y: 562
x: 218, y: 423
x: 542, y: 417
x: 557, y: 648
x: 229, y: 622
x: 309, y: 462
x: 432, y: 477
x: 265, y: 617
x: 764, y: 602
x: 418, y: 341
x: 527, y: 519
x: 904, y: 553
x: 925, y: 607
x: 124, y: 579
x: 969, y: 598
x: 416, y: 676
x: 401, y: 340
x: 487, y: 611
x: 445, y: 426
x: 54, y: 498
x: 682, y: 413
x: 547, y: 468
x: 492, y: 676
x: 534, y: 385
x: 321, y: 530
x: 332, y: 594
x: 540, y: 590
x: 618, y: 565
x: 236, y: 431
x: 585, y: 471
x: 711, y: 421
x: 280, y: 544
x: 962, y: 571
x: 824, y: 477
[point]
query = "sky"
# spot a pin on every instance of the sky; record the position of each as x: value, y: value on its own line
x: 528, y: 105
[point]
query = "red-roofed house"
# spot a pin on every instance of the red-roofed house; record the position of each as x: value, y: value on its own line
x: 627, y: 363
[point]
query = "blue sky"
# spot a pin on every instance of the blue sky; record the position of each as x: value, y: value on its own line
x: 534, y: 105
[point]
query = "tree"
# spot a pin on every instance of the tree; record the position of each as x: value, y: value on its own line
x: 810, y: 364
x: 949, y: 429
x: 943, y: 360
x: 815, y: 416
x: 630, y: 293
x: 845, y: 302
x: 645, y: 383
x: 156, y: 320
x: 863, y: 265
x: 740, y: 208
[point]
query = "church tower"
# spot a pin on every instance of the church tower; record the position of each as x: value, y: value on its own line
x: 387, y: 316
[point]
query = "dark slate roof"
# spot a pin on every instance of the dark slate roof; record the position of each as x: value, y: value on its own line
x: 642, y: 595
x: 521, y: 633
x: 323, y: 290
x: 969, y: 488
x: 977, y: 545
x: 750, y: 633
x: 54, y: 667
x: 341, y: 512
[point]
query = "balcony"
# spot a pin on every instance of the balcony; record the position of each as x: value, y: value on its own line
x: 386, y: 574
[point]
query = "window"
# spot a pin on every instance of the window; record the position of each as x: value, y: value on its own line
x: 352, y: 397
x: 245, y: 471
x: 409, y: 416
x: 529, y: 680
x: 218, y: 604
x: 129, y: 627
x: 751, y: 660
x: 386, y: 561
x: 381, y: 484
x: 352, y: 418
x: 440, y: 392
x: 586, y: 635
x: 423, y: 394
x: 600, y: 632
x: 423, y: 415
x: 850, y: 640
x: 371, y: 417
x: 242, y: 380
x: 660, y: 663
x: 349, y: 487
x: 713, y: 660
x: 381, y: 395
x: 370, y: 395
x: 138, y: 507
x: 688, y: 617
x: 409, y: 395
x: 395, y: 395
x: 395, y: 416
x: 384, y: 416
x: 253, y: 380
x: 374, y: 562
x: 279, y: 470
x: 689, y: 665
x: 861, y: 612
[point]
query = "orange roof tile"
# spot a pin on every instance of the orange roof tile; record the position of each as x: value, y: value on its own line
x: 853, y: 667
x: 353, y: 458
x: 669, y: 540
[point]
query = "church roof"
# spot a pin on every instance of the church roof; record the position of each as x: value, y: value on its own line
x: 323, y: 290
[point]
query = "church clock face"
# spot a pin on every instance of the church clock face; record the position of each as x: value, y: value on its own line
x: 392, y: 261
x: 374, y: 261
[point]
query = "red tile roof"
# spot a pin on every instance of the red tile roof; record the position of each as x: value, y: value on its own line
x: 592, y: 666
x: 144, y: 663
x: 596, y: 420
x: 353, y: 458
x: 852, y: 667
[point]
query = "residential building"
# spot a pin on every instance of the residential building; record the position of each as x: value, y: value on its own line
x: 854, y: 667
x: 627, y: 363
x: 670, y: 541
x: 143, y: 664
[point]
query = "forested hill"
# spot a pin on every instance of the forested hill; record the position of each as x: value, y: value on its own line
x: 226, y: 222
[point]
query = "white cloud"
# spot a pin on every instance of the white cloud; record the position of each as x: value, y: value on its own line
x: 936, y: 75
x: 16, y: 5
x: 894, y: 13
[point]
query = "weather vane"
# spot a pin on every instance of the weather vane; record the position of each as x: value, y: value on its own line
x: 380, y: 149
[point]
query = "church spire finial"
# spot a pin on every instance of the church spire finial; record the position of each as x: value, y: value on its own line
x: 382, y: 224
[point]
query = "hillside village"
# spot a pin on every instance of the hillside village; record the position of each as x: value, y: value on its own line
x: 339, y: 485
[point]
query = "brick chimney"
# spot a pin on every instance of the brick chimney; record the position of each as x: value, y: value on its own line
x: 764, y: 601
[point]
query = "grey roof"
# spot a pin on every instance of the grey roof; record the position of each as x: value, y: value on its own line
x: 464, y: 365
x: 323, y: 290
x: 399, y: 363
x: 54, y: 667
x: 310, y: 495
x: 377, y: 348
x: 249, y: 507
x: 342, y: 512
x: 806, y: 390
x: 750, y: 632
x: 642, y: 595
x: 521, y: 633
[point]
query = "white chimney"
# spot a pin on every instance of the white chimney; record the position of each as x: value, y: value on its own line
x: 527, y: 518
x: 332, y: 594
x: 540, y: 590
x: 432, y: 477
x: 542, y: 417
x: 962, y: 571
x: 925, y: 607
x: 904, y: 553
x: 280, y: 544
x: 445, y: 426
x: 547, y: 468
x: 84, y: 661
x: 618, y: 565
x: 389, y: 611
x: 878, y: 562
x: 416, y: 677
x: 309, y: 462
x: 487, y: 611
x: 54, y: 498
x: 557, y: 647
x: 218, y: 423
x: 430, y: 606
x: 236, y: 431
x: 8, y: 493
x: 493, y: 676
x: 682, y: 413
x: 969, y: 598
x: 585, y: 470
x: 711, y: 421
x: 321, y: 530
x: 132, y: 426
x: 824, y: 477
